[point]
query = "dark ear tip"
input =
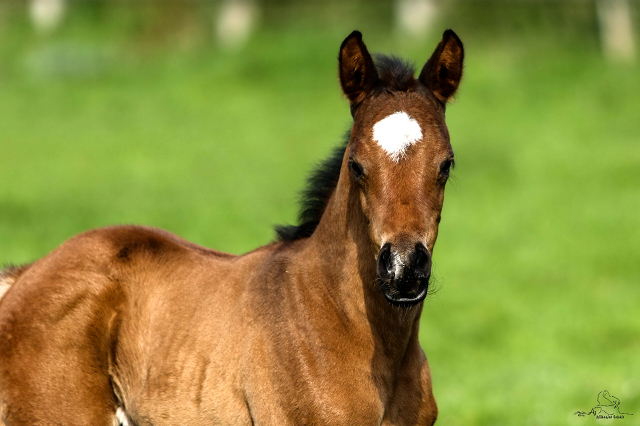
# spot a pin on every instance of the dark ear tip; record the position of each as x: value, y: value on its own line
x: 355, y: 33
x: 449, y: 33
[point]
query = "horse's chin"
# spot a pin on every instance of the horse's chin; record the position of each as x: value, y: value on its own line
x: 406, y: 299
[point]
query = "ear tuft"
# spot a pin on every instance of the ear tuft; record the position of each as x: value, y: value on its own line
x: 358, y: 73
x: 443, y: 71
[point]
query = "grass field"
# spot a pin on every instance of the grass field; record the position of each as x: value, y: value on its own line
x: 538, y: 260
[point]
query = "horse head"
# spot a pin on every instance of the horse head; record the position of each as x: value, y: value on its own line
x: 399, y: 156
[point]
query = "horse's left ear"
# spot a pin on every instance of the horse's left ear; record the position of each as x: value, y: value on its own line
x: 443, y: 71
x: 358, y: 74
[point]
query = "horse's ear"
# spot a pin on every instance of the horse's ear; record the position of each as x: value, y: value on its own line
x: 358, y: 73
x: 443, y: 71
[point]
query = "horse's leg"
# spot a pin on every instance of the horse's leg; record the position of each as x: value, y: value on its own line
x: 55, y: 346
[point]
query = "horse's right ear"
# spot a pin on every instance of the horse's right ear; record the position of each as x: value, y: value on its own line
x: 358, y: 73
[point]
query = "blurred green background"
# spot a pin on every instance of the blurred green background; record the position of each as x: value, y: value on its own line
x: 203, y: 118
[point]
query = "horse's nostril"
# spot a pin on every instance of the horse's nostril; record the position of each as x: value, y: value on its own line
x: 385, y: 267
x: 421, y: 258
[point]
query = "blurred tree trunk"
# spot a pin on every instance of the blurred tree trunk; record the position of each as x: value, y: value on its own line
x: 46, y: 15
x: 415, y: 17
x: 235, y: 22
x: 616, y: 31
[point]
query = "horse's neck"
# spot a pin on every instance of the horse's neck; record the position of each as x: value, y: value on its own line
x: 347, y: 260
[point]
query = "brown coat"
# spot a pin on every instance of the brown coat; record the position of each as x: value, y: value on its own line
x: 297, y: 332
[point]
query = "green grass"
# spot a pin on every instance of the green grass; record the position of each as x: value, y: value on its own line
x: 538, y: 260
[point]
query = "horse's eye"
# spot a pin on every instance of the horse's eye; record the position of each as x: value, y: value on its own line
x: 356, y: 169
x: 445, y: 168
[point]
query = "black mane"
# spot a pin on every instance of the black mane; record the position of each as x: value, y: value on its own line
x: 395, y: 75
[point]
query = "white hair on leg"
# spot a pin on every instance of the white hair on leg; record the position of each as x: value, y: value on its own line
x: 122, y: 418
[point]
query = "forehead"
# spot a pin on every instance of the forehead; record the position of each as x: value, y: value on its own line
x: 395, y: 133
x: 396, y: 122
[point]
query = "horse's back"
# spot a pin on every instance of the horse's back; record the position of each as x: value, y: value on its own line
x: 61, y: 319
x: 120, y: 259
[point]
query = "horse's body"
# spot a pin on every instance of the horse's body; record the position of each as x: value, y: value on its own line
x: 211, y: 337
x: 134, y: 325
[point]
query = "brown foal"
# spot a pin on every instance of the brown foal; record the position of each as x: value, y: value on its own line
x: 135, y: 326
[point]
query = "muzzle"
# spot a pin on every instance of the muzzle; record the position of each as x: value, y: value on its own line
x: 404, y: 273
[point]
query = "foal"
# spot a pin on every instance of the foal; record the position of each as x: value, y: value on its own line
x: 132, y: 325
